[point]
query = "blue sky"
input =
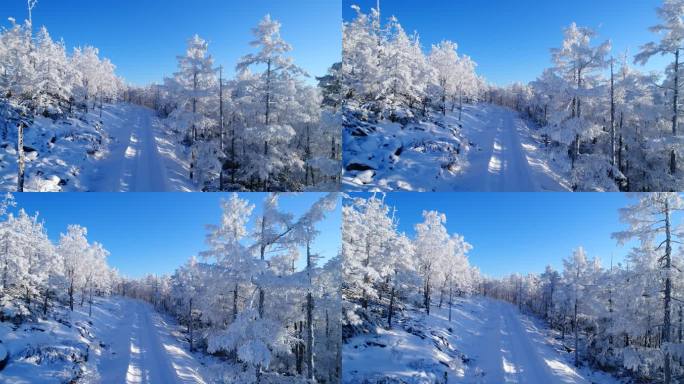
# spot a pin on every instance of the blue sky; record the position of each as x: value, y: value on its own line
x: 510, y: 40
x: 157, y: 232
x: 522, y: 232
x: 143, y: 38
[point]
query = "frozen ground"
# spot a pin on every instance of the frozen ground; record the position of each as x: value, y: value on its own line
x: 140, y: 158
x: 127, y: 150
x: 125, y: 341
x: 491, y: 149
x: 487, y: 341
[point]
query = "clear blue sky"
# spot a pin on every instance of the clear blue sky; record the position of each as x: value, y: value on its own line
x: 143, y: 37
x: 510, y: 40
x: 522, y: 232
x: 157, y: 232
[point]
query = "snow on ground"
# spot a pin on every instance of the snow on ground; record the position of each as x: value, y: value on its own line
x: 491, y: 149
x: 127, y: 150
x: 488, y: 341
x: 55, y: 152
x: 141, y: 158
x: 125, y: 341
x: 144, y: 347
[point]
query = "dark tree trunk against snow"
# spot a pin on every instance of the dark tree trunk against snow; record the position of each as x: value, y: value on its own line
x: 20, y: 156
x: 194, y: 105
x: 390, y: 311
x: 450, y: 300
x: 90, y: 303
x: 675, y: 112
x: 221, y: 129
x: 262, y: 255
x: 235, y: 302
x: 46, y: 297
x: 221, y: 117
x: 612, y: 115
x: 309, y: 316
x: 366, y: 278
x: 460, y: 104
x: 668, y: 289
x: 190, y: 326
x: 426, y: 297
x: 574, y: 322
x: 71, y: 294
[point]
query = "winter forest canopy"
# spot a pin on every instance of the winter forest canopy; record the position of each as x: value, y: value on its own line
x: 621, y: 318
x: 598, y: 121
x: 267, y: 128
x: 261, y: 303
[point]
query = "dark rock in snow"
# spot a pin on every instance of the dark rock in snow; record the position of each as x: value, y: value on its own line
x: 4, y: 356
x: 375, y: 344
x: 359, y: 167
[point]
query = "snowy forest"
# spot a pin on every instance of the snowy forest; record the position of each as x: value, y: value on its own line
x: 423, y: 119
x: 245, y: 300
x: 245, y: 310
x: 69, y: 123
x: 595, y: 322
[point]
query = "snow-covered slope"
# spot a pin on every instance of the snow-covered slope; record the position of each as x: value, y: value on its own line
x: 487, y: 341
x: 125, y: 341
x: 125, y: 150
x: 490, y: 149
x: 56, y: 152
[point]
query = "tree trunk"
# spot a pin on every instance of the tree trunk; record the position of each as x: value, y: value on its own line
x: 20, y: 156
x: 427, y: 295
x: 575, y: 325
x: 235, y: 302
x: 71, y: 294
x: 612, y: 115
x: 45, y: 302
x: 668, y: 290
x: 309, y: 317
x: 450, y: 301
x: 190, y: 326
x: 221, y: 118
x: 390, y: 311
x: 309, y: 336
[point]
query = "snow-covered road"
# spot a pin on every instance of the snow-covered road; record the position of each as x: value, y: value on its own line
x: 512, y: 349
x: 504, y: 156
x: 491, y: 148
x: 142, y: 348
x: 135, y: 162
x: 487, y: 342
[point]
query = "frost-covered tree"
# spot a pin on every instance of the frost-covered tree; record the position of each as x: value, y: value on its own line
x: 72, y: 246
x: 650, y: 220
x: 385, y: 270
x: 291, y: 328
x: 672, y: 28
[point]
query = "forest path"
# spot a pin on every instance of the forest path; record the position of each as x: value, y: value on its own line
x: 139, y: 159
x: 511, y: 348
x: 504, y: 156
x: 486, y: 341
x: 142, y: 348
